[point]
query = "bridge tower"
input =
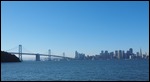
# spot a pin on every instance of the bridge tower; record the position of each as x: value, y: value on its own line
x: 63, y: 55
x: 20, y: 52
x: 49, y: 53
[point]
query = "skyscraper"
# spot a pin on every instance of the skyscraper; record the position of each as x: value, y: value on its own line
x: 127, y: 54
x: 76, y: 55
x: 131, y: 51
x: 124, y: 55
x: 106, y: 55
x: 117, y: 54
x: 141, y: 53
x: 80, y: 56
x: 102, y: 52
x: 111, y: 55
x: 120, y: 54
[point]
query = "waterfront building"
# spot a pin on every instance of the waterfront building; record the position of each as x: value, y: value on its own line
x: 117, y: 54
x: 102, y: 53
x: 106, y: 55
x: 111, y: 55
x: 131, y: 51
x: 120, y: 54
x: 130, y: 57
x: 124, y: 54
x: 137, y: 54
x: 79, y: 56
x: 130, y: 54
x: 76, y: 55
x: 141, y: 55
x: 127, y: 54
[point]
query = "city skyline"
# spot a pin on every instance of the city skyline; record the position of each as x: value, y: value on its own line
x: 68, y: 26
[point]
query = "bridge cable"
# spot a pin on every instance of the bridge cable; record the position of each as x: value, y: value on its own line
x: 23, y: 48
x: 12, y: 48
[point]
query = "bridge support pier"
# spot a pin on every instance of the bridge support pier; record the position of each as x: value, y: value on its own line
x: 37, y: 57
x: 49, y: 53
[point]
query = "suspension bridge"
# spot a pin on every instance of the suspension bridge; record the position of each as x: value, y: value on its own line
x: 20, y: 53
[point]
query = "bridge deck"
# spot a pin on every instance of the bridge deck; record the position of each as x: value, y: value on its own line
x: 38, y: 54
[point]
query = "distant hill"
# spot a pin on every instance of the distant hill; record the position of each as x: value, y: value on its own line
x: 7, y: 57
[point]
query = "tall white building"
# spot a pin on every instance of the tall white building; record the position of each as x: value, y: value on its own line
x: 141, y: 53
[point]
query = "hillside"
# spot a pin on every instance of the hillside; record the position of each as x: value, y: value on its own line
x: 7, y: 57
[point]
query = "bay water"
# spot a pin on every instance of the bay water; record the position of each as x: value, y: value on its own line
x: 76, y: 70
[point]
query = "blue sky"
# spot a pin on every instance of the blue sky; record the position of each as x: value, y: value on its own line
x: 85, y: 26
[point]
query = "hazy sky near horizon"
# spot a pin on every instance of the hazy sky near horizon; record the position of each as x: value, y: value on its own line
x: 67, y: 26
